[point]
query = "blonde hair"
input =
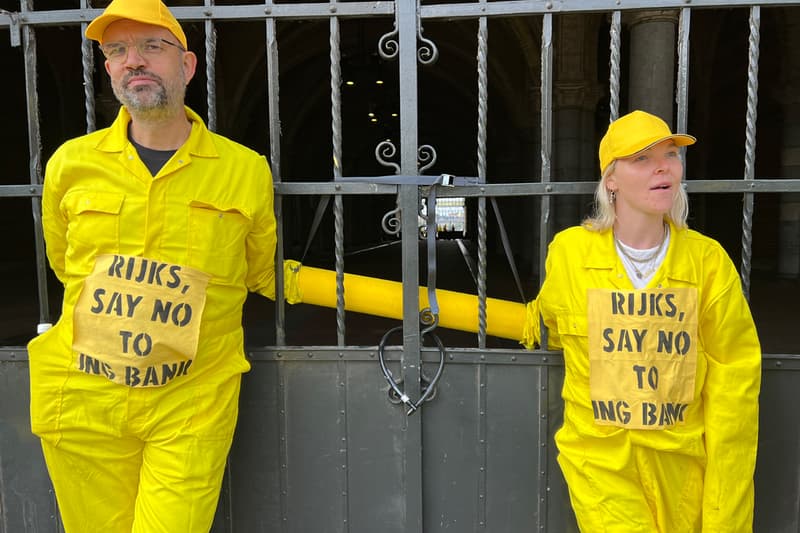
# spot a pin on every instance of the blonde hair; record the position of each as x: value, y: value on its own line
x: 605, y: 215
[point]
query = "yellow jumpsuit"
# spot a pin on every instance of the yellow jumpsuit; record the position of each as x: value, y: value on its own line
x: 132, y: 450
x: 652, y: 469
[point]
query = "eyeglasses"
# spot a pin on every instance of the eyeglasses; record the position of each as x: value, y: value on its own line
x: 117, y: 52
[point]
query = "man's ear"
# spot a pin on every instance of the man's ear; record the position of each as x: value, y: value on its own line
x: 189, y: 65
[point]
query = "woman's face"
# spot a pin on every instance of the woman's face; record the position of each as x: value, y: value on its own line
x: 646, y: 182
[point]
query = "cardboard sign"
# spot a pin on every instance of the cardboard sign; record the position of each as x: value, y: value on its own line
x: 137, y: 320
x: 642, y: 356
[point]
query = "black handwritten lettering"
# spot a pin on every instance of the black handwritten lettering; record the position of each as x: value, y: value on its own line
x: 132, y: 376
x: 115, y: 269
x: 142, y: 343
x: 97, y: 298
x: 180, y: 315
x: 680, y: 342
x: 611, y: 411
x: 617, y: 300
x: 625, y: 340
x: 671, y: 308
x: 120, y: 304
x: 652, y: 376
x: 643, y: 304
x: 92, y: 365
x: 143, y: 270
x: 155, y: 273
x: 664, y: 414
x: 175, y: 281
x: 153, y: 376
x: 150, y: 377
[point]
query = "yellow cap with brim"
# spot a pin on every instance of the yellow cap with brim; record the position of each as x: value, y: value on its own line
x: 634, y: 132
x: 146, y: 11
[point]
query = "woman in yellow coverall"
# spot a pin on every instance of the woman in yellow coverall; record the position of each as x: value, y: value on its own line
x: 662, y: 360
x: 157, y: 229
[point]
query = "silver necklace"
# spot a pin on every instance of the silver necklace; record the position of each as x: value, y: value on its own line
x: 642, y: 266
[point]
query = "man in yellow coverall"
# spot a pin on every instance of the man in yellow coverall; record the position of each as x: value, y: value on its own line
x: 157, y: 228
x: 662, y: 360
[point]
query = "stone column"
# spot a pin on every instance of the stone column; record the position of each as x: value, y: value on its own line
x: 653, y: 58
x: 576, y: 92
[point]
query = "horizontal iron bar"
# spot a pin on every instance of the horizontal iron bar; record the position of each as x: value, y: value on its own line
x: 517, y: 7
x: 19, y: 354
x: 394, y: 353
x: 770, y: 185
x: 321, y: 10
x: 20, y: 190
x: 63, y: 17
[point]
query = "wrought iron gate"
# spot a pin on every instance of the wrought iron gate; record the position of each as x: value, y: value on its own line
x: 324, y: 444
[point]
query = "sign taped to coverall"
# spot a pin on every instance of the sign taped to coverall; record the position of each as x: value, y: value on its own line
x: 642, y: 355
x: 137, y: 320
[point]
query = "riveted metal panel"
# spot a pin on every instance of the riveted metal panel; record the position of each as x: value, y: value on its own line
x: 777, y: 477
x: 27, y: 503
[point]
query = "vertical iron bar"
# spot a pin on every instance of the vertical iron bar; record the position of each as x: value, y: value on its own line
x: 483, y: 36
x: 273, y: 111
x: 750, y: 146
x: 87, y: 62
x: 211, y: 69
x: 338, y: 207
x: 408, y: 199
x: 544, y: 223
x: 35, y: 168
x: 614, y: 63
x: 546, y: 112
x: 483, y: 99
x: 338, y: 212
x: 682, y: 87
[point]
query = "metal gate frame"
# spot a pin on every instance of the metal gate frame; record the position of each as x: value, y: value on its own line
x: 312, y: 396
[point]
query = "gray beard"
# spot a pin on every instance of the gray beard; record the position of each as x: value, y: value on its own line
x: 148, y: 103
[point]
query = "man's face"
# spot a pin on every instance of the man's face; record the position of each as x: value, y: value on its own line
x: 149, y: 78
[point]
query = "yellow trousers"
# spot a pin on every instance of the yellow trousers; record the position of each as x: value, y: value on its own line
x: 139, y: 460
x: 654, y: 492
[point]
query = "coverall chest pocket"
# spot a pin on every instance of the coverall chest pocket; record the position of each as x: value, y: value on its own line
x: 572, y: 324
x: 93, y: 222
x: 216, y: 239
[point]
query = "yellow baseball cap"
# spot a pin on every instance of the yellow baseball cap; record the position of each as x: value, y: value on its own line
x: 634, y: 132
x: 147, y: 11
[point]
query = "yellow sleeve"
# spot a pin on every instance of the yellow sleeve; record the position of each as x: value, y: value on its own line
x: 730, y: 397
x: 539, y: 315
x: 531, y: 332
x: 261, y: 241
x: 54, y: 223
